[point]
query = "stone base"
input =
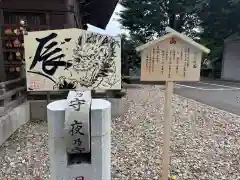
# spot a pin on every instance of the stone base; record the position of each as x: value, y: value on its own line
x: 117, y: 108
x: 98, y: 166
x: 10, y: 122
x: 38, y: 110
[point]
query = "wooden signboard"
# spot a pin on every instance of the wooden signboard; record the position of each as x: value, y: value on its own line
x: 173, y: 57
x: 171, y: 60
x: 72, y: 59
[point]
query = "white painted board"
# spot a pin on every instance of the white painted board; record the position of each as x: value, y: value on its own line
x: 72, y: 59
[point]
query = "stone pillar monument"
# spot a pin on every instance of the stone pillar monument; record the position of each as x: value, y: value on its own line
x: 92, y: 165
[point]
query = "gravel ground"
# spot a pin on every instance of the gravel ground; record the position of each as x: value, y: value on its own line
x: 204, y: 142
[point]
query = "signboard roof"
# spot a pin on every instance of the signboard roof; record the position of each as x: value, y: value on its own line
x: 171, y: 34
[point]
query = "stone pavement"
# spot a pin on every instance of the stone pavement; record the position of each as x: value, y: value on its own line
x: 220, y: 94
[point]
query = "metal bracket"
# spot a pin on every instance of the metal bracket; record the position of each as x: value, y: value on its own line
x: 77, y: 122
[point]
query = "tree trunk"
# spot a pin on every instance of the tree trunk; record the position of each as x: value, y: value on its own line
x: 172, y: 20
x: 172, y: 15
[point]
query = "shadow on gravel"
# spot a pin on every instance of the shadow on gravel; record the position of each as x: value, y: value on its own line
x: 131, y: 86
x: 136, y: 81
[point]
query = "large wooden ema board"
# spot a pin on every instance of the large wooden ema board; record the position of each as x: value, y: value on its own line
x: 72, y: 59
x: 171, y: 60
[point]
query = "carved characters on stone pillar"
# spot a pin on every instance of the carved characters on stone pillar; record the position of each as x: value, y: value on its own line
x: 76, y: 128
x: 77, y: 121
x: 76, y: 103
x: 76, y: 131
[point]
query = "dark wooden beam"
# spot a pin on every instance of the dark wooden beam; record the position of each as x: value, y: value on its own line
x: 2, y: 67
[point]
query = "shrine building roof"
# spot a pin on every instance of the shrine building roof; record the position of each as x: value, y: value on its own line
x: 99, y: 12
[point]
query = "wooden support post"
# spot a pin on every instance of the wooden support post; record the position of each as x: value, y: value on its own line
x: 3, y: 76
x: 167, y: 128
x: 48, y: 20
x: 69, y: 15
x: 48, y: 97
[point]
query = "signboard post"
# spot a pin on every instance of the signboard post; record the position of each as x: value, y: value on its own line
x: 173, y: 57
x: 167, y: 127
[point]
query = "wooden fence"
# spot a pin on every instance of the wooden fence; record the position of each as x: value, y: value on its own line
x: 12, y: 94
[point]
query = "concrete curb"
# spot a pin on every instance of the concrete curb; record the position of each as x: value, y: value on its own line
x: 10, y: 122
